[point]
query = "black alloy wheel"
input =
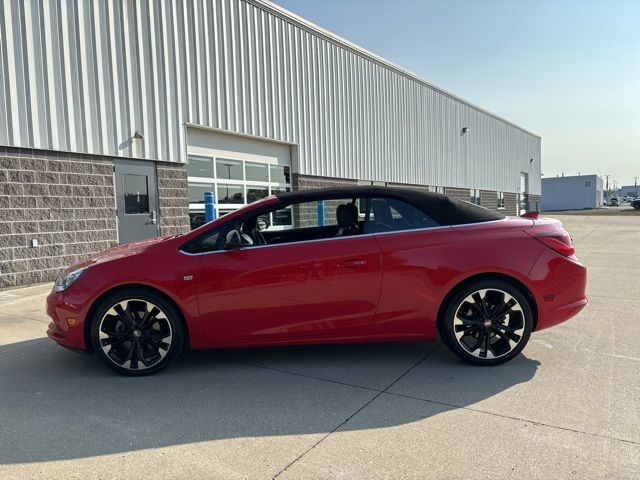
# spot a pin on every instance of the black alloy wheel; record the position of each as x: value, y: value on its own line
x: 488, y: 322
x: 137, y: 333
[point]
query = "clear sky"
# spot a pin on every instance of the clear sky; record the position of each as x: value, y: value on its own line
x: 566, y: 70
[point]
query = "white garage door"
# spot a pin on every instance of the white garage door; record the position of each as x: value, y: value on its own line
x: 238, y: 170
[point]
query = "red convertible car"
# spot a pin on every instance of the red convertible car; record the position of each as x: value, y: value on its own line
x: 352, y: 264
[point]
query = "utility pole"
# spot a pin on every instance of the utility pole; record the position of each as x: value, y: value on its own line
x: 635, y: 184
x: 607, y: 177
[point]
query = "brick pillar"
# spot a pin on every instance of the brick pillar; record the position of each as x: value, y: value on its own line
x: 458, y: 193
x: 173, y: 198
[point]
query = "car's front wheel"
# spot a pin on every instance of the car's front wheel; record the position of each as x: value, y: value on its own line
x: 487, y: 322
x: 137, y: 333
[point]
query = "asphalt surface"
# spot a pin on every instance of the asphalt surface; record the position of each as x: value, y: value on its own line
x: 568, y: 407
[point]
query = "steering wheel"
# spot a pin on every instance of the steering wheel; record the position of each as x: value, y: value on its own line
x: 258, y: 237
x: 246, y: 239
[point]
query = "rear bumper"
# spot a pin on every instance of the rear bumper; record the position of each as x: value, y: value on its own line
x: 63, y: 314
x: 560, y: 288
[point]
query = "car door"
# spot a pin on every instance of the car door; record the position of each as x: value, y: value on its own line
x: 415, y: 253
x: 313, y: 289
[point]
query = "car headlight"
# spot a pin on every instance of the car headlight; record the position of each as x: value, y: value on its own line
x: 67, y: 279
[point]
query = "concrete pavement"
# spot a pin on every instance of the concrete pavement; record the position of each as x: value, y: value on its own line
x: 568, y: 407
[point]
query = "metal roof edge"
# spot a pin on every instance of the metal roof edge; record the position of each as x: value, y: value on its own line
x: 332, y: 37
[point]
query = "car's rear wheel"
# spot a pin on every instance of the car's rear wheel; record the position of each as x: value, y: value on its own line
x: 487, y: 322
x: 137, y: 333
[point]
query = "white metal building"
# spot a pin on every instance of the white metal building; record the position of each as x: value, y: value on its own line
x: 572, y: 193
x: 252, y: 97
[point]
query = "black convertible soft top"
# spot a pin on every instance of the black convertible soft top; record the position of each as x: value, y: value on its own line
x: 443, y: 209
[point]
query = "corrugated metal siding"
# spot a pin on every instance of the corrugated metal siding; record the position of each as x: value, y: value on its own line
x: 85, y: 75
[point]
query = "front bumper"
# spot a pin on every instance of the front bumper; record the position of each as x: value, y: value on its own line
x: 67, y: 321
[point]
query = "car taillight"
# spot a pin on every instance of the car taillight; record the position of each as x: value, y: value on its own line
x: 558, y: 241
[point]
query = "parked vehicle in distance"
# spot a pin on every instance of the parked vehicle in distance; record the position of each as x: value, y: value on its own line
x: 613, y: 202
x: 385, y: 264
x: 636, y: 204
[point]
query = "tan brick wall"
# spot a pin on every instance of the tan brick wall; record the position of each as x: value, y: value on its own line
x: 173, y: 199
x: 489, y: 199
x: 67, y: 202
x: 458, y: 193
x: 511, y: 201
x: 64, y: 201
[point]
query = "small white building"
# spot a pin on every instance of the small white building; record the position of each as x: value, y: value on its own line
x: 572, y: 193
x: 628, y: 191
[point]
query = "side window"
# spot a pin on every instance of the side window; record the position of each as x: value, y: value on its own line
x: 305, y: 221
x: 211, y: 241
x: 299, y: 222
x: 390, y: 215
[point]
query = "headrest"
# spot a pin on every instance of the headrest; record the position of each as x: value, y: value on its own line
x: 347, y: 215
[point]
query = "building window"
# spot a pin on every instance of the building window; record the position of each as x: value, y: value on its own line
x: 279, y: 174
x: 500, y: 199
x: 201, y: 167
x: 229, y: 169
x: 233, y: 194
x: 136, y: 194
x: 475, y: 196
x: 235, y: 183
x: 257, y: 172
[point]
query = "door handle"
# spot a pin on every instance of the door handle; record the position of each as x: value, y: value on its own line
x: 152, y: 218
x: 354, y: 263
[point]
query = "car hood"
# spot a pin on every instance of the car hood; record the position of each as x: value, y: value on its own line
x: 121, y: 251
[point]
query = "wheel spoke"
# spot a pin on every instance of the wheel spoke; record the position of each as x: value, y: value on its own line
x: 140, y: 354
x: 505, y: 309
x: 487, y: 345
x: 158, y: 344
x: 468, y: 321
x: 124, y: 316
x: 113, y: 340
x: 508, y: 336
x: 480, y: 303
x: 478, y: 343
x: 151, y: 315
x: 155, y: 335
x: 466, y: 328
x: 508, y: 328
x: 129, y: 354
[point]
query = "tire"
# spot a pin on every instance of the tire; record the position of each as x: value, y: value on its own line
x: 490, y: 309
x: 137, y: 332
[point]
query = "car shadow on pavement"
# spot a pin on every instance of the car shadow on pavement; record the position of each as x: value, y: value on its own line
x: 58, y: 405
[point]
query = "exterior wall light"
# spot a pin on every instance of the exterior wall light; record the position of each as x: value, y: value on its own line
x: 465, y: 130
x: 138, y: 136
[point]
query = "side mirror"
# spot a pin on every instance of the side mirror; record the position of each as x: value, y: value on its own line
x: 233, y: 241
